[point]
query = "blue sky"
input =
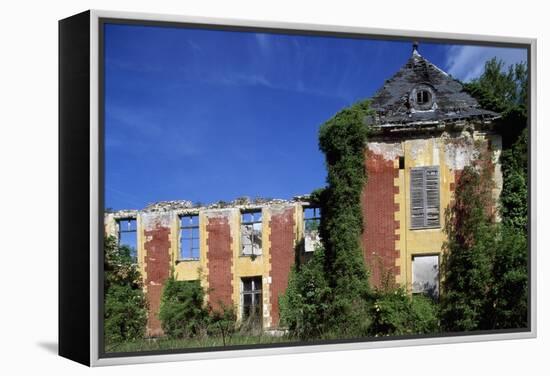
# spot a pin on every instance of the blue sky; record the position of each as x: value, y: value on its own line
x: 206, y: 115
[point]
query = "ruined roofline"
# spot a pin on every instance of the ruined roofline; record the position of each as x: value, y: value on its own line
x: 420, y: 128
x: 422, y: 92
x: 182, y: 207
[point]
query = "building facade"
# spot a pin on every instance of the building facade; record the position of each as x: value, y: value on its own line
x: 425, y: 129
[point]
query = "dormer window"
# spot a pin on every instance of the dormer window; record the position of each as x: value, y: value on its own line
x: 422, y: 98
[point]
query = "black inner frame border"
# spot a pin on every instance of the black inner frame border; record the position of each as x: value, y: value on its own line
x: 102, y: 21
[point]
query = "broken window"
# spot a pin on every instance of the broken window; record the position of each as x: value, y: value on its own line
x: 424, y: 197
x: 252, y: 298
x: 312, y: 221
x: 251, y: 233
x: 425, y: 271
x: 127, y: 235
x: 189, y: 237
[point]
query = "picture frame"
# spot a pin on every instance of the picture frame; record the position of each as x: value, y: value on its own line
x: 82, y: 186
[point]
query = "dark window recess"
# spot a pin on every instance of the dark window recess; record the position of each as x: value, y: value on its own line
x: 252, y: 299
x: 189, y: 237
x: 422, y: 97
x: 127, y: 235
x: 312, y: 221
x: 424, y: 197
x: 401, y: 163
x: 251, y: 233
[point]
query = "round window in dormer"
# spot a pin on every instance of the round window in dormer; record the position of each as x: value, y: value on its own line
x: 422, y: 98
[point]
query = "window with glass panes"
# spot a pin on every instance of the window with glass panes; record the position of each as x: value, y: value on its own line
x: 127, y: 235
x: 189, y: 237
x: 252, y: 297
x: 251, y: 233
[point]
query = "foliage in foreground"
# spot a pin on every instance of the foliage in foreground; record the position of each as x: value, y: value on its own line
x: 181, y: 310
x: 184, y: 315
x: 500, y: 250
x: 305, y: 306
x: 125, y: 305
x: 485, y: 264
x: 394, y: 312
x: 343, y: 141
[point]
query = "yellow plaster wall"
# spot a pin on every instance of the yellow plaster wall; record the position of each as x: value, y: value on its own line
x: 399, y: 199
x: 246, y: 266
x: 141, y: 250
x: 418, y: 153
x: 189, y: 270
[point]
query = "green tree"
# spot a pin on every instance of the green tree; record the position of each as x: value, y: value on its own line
x: 222, y: 322
x: 506, y: 92
x: 343, y: 141
x: 514, y: 197
x: 468, y: 253
x: 305, y: 306
x: 125, y: 313
x: 182, y: 311
x: 394, y: 312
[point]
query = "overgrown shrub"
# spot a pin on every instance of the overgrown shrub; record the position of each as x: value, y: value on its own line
x: 125, y: 310
x: 343, y: 141
x: 222, y: 322
x: 394, y: 312
x: 500, y: 257
x: 305, y: 306
x: 125, y: 314
x: 182, y: 311
x: 468, y: 253
x: 509, y: 291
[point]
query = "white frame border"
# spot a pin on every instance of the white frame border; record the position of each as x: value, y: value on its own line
x: 94, y: 189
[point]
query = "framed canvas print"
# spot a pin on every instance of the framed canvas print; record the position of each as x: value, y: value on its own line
x: 236, y: 188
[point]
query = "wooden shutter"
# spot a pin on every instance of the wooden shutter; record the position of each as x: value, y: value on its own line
x: 432, y: 196
x: 424, y: 197
x: 418, y: 207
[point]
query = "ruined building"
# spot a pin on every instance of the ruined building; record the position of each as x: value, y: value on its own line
x: 425, y: 130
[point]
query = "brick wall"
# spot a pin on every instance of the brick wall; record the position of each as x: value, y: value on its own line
x: 282, y: 256
x: 220, y: 261
x: 157, y: 270
x: 378, y: 217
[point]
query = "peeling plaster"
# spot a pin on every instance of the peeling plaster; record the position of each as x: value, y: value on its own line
x: 389, y: 151
x: 460, y: 152
x: 218, y: 213
x: 150, y: 220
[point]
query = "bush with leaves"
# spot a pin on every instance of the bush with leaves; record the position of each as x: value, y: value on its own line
x: 343, y: 141
x: 509, y: 292
x: 222, y: 323
x: 506, y: 92
x: 182, y: 311
x: 394, y: 312
x: 125, y: 311
x: 305, y: 305
x: 468, y: 253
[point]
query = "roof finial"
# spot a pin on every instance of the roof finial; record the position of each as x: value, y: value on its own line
x: 415, y: 47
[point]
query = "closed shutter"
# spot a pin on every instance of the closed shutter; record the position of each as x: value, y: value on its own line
x: 418, y: 208
x: 432, y: 196
x: 424, y: 197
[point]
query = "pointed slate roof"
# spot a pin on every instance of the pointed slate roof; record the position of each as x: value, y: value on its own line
x: 395, y: 104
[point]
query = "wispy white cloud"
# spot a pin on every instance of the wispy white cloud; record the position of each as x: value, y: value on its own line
x: 194, y: 46
x: 263, y: 42
x: 147, y: 129
x: 467, y: 62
